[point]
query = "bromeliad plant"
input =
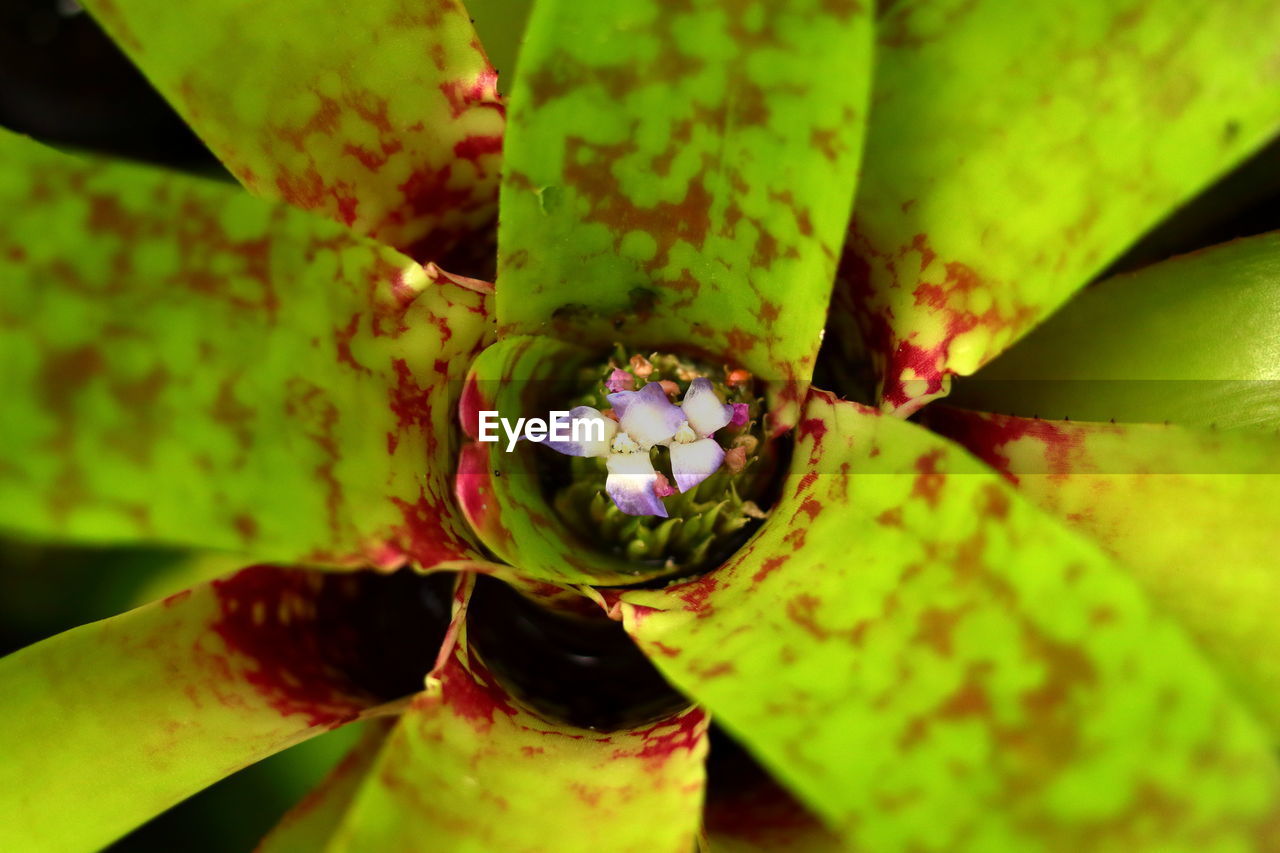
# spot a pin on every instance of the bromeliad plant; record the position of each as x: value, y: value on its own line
x: 1062, y: 639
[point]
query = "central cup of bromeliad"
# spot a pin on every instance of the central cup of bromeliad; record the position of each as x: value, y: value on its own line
x: 663, y: 458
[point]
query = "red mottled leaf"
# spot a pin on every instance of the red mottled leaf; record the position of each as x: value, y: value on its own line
x: 467, y: 768
x: 187, y: 364
x: 381, y: 114
x: 1193, y: 513
x: 680, y: 175
x: 113, y: 722
x: 931, y: 663
x: 1011, y: 156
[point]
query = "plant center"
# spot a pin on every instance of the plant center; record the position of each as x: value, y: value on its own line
x: 678, y: 479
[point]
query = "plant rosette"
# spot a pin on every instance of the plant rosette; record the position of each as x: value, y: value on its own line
x: 918, y: 626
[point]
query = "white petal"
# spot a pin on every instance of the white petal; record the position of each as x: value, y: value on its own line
x: 630, y: 484
x: 704, y: 409
x: 693, y: 463
x: 590, y: 424
x: 647, y: 415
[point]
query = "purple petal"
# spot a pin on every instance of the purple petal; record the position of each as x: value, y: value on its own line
x: 587, y: 445
x: 620, y: 380
x: 741, y: 414
x: 694, y: 462
x: 647, y: 415
x: 703, y: 408
x: 621, y: 400
x: 630, y: 484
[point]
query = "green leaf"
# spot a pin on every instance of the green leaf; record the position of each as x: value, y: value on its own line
x: 187, y: 364
x: 931, y: 663
x: 680, y: 175
x: 113, y: 722
x: 379, y: 114
x: 1011, y: 156
x: 1194, y: 340
x: 468, y: 769
x: 311, y: 823
x: 1194, y: 515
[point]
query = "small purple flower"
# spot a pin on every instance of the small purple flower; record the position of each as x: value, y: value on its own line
x: 662, y: 487
x: 740, y: 415
x: 620, y: 380
x: 695, y: 455
x: 646, y: 418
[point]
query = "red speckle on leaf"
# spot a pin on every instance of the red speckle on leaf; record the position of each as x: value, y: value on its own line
x: 589, y: 169
x: 230, y: 413
x: 997, y: 503
x: 411, y: 404
x: 478, y: 149
x: 63, y: 375
x: 474, y: 696
x: 827, y: 142
x: 342, y: 341
x: 739, y: 341
x: 429, y: 191
x: 323, y: 121
x: 935, y: 627
x: 696, y: 594
x: 373, y: 160
x: 806, y: 482
x: 715, y: 670
x: 309, y: 405
x: 929, y: 481
x: 664, y: 739
x: 815, y: 428
x: 987, y: 435
x: 463, y: 95
x: 424, y: 536
x: 768, y: 567
x: 802, y: 610
x: 268, y: 622
x: 663, y: 649
x: 906, y: 360
x: 246, y: 527
x: 811, y: 507
x: 589, y: 796
x: 890, y: 517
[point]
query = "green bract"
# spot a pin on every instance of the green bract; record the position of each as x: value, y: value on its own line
x: 695, y: 167
x: 974, y: 630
